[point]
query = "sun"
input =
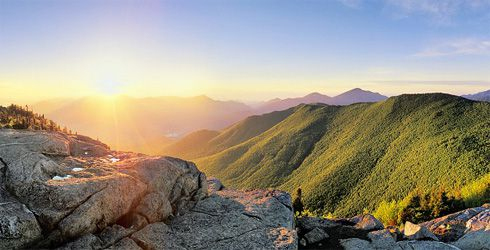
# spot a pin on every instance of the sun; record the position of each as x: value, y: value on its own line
x: 109, y: 88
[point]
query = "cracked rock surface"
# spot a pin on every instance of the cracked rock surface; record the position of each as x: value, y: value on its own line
x: 72, y: 192
x: 228, y: 219
x: 56, y: 188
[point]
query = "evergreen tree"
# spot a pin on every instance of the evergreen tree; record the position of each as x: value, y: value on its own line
x: 298, y: 203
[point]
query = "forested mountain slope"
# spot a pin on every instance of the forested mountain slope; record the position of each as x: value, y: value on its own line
x: 348, y: 158
x: 204, y: 142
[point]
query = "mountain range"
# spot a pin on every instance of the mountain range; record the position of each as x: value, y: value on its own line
x: 348, y: 158
x: 481, y: 96
x: 346, y: 98
x: 153, y: 125
x: 142, y: 124
x: 147, y: 125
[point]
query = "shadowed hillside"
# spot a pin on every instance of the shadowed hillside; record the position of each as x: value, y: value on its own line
x: 347, y: 158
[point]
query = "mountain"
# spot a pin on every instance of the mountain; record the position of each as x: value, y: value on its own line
x: 352, y: 96
x: 204, y: 142
x: 145, y: 124
x: 190, y: 145
x: 356, y: 95
x: 50, y: 105
x: 348, y: 158
x: 282, y: 104
x: 481, y: 96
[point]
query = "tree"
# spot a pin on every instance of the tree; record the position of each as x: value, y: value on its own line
x: 298, y: 203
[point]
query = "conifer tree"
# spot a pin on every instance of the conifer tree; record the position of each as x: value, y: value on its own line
x: 298, y: 203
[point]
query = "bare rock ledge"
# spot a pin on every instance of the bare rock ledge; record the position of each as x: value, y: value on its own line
x: 73, y: 192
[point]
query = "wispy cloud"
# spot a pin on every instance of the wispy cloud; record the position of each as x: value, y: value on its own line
x: 469, y: 46
x: 355, y: 4
x: 440, y: 12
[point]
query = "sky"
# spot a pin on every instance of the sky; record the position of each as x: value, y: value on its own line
x: 245, y: 50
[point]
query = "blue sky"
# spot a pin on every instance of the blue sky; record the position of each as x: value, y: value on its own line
x: 247, y: 50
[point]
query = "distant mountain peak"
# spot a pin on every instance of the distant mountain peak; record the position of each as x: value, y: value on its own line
x: 346, y: 98
x: 316, y: 95
x: 358, y: 90
x: 357, y: 95
x: 481, y: 96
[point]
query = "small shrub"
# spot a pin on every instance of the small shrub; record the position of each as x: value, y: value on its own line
x: 418, y: 207
x: 424, y: 206
x: 477, y: 192
x: 387, y: 212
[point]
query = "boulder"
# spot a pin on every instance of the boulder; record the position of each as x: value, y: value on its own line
x: 355, y: 244
x: 315, y: 235
x: 417, y: 232
x: 367, y: 222
x: 478, y: 222
x: 474, y: 240
x: 18, y: 226
x: 214, y: 185
x: 306, y: 224
x: 382, y: 239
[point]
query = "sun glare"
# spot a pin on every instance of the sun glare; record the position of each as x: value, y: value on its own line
x: 109, y: 88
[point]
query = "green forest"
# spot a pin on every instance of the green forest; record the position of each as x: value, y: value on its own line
x: 368, y: 156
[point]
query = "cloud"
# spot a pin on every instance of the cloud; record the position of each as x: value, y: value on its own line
x: 439, y: 12
x: 355, y: 4
x: 469, y: 46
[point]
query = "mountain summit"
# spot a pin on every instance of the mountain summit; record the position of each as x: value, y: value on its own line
x: 352, y: 96
x: 357, y: 95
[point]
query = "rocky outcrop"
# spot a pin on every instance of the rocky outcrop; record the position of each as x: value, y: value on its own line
x: 451, y: 227
x: 467, y: 229
x: 57, y: 188
x: 72, y: 192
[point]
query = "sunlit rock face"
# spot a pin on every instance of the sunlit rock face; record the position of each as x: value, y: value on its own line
x: 72, y: 192
x: 56, y: 188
